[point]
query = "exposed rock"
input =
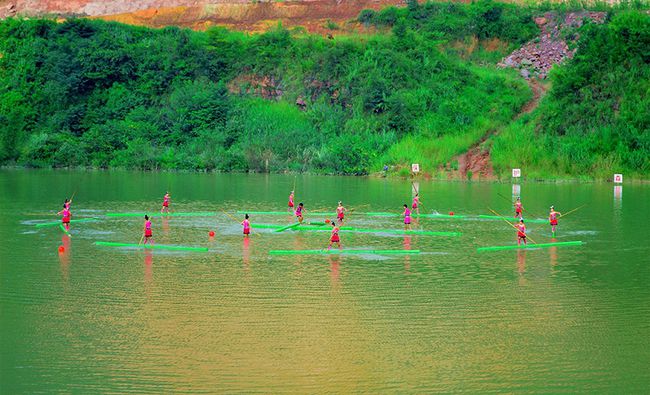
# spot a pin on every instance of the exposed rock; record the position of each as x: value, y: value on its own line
x: 540, y: 54
x: 8, y: 10
x: 264, y: 86
x: 300, y: 102
x: 246, y: 15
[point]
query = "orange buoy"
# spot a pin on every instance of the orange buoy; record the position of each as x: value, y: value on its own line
x: 61, y: 248
x: 211, y: 233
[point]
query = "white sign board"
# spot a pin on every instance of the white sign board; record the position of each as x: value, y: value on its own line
x: 618, y: 178
x: 415, y: 168
x: 516, y: 173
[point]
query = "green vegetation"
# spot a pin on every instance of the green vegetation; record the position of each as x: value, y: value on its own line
x: 90, y: 93
x: 423, y: 89
x: 436, y: 20
x: 596, y: 118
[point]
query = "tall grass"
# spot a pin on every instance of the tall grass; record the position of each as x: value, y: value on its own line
x: 434, y: 153
x: 594, y: 120
x: 91, y: 93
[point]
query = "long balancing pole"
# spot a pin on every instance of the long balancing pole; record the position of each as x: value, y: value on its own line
x: 235, y: 219
x: 508, y: 222
x: 572, y: 211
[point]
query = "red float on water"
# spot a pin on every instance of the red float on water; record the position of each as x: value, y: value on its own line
x: 451, y: 213
x: 211, y: 233
x: 61, y: 248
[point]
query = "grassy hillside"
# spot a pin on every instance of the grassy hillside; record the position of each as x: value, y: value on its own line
x: 596, y: 118
x: 425, y: 88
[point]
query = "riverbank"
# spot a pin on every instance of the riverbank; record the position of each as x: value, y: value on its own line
x: 289, y: 101
x: 392, y: 175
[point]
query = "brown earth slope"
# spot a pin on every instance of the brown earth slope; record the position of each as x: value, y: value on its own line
x: 476, y: 161
x: 315, y: 15
x: 534, y: 60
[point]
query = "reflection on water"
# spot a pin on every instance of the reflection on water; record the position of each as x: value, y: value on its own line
x: 521, y: 266
x: 335, y: 263
x: 552, y: 252
x: 64, y: 257
x: 618, y: 205
x: 246, y: 253
x: 449, y: 320
x: 148, y: 273
x: 407, y: 258
x: 165, y: 227
x: 618, y: 193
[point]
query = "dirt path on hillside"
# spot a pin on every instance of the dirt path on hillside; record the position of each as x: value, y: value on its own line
x: 476, y: 161
x: 533, y: 60
x: 539, y: 90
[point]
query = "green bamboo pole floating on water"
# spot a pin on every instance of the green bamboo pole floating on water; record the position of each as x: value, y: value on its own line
x: 154, y: 246
x: 197, y: 214
x: 388, y: 231
x: 534, y: 221
x: 64, y: 230
x: 381, y: 214
x: 54, y: 223
x: 357, y: 230
x: 277, y: 212
x: 290, y: 226
x: 344, y: 252
x: 440, y: 216
x: 277, y: 226
x: 127, y: 215
x: 266, y: 226
x: 524, y: 246
x: 372, y: 214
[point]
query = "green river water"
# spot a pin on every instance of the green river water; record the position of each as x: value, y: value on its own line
x: 234, y: 319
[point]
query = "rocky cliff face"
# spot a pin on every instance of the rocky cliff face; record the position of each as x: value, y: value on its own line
x: 551, y: 47
x: 97, y: 7
x: 251, y: 15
